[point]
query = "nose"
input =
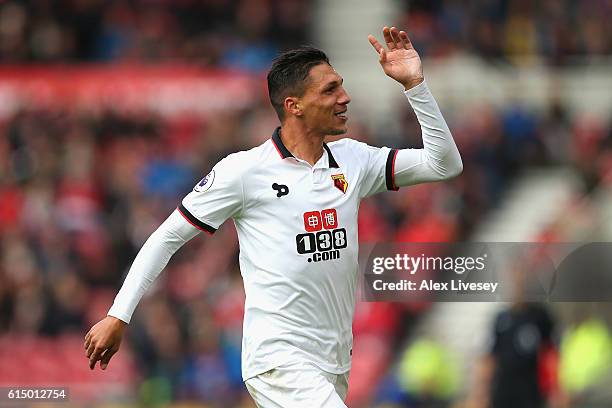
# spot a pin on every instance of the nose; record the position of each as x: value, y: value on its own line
x: 344, y: 98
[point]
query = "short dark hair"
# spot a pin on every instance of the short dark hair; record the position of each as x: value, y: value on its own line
x: 289, y: 73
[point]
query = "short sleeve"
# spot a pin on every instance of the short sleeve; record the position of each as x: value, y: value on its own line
x: 217, y: 197
x: 377, y: 168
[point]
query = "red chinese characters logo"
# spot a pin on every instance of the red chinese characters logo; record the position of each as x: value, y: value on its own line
x: 312, y: 221
x: 330, y: 218
x: 318, y: 220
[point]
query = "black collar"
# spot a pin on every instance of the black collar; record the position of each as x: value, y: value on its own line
x: 284, y: 152
x: 330, y: 158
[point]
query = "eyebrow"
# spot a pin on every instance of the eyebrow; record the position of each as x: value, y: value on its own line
x: 333, y: 84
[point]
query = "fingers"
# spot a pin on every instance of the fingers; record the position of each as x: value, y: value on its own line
x: 377, y: 46
x: 405, y: 40
x: 102, y: 342
x: 96, y: 355
x: 93, y: 351
x: 395, y: 36
x: 90, y: 349
x: 107, y: 356
x: 389, y: 39
x: 382, y: 54
x: 87, y: 340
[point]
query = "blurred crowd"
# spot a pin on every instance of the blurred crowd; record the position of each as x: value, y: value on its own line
x: 81, y: 191
x: 243, y: 34
x: 556, y: 32
x: 247, y: 33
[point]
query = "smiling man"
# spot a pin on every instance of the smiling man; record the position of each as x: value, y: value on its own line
x: 294, y: 201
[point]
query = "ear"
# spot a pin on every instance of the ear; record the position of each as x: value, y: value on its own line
x: 293, y: 106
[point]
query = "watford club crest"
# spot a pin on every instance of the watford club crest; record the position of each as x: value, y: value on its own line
x: 340, y: 182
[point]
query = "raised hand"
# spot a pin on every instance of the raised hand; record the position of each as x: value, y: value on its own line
x: 400, y: 61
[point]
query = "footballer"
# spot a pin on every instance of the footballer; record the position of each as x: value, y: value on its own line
x: 294, y: 200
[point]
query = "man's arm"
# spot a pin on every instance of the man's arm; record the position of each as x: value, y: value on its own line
x: 104, y: 338
x: 440, y: 158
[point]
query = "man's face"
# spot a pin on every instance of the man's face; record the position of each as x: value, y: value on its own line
x: 324, y: 103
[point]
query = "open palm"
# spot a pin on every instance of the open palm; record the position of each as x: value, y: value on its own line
x: 400, y: 60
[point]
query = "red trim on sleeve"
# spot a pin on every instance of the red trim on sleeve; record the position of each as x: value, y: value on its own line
x: 189, y: 221
x: 395, y: 187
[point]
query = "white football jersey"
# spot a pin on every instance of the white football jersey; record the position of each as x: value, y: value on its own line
x: 297, y: 227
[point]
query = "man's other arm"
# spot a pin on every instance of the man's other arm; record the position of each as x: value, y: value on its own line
x: 104, y: 338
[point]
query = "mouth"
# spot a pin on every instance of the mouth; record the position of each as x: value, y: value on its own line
x: 342, y: 115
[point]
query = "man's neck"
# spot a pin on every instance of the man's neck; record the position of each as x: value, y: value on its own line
x: 301, y: 143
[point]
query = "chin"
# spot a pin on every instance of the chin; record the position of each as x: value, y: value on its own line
x: 338, y: 131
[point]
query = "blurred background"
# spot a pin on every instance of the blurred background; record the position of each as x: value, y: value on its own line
x: 110, y: 112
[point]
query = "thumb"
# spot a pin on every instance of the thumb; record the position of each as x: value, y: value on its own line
x: 382, y: 56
